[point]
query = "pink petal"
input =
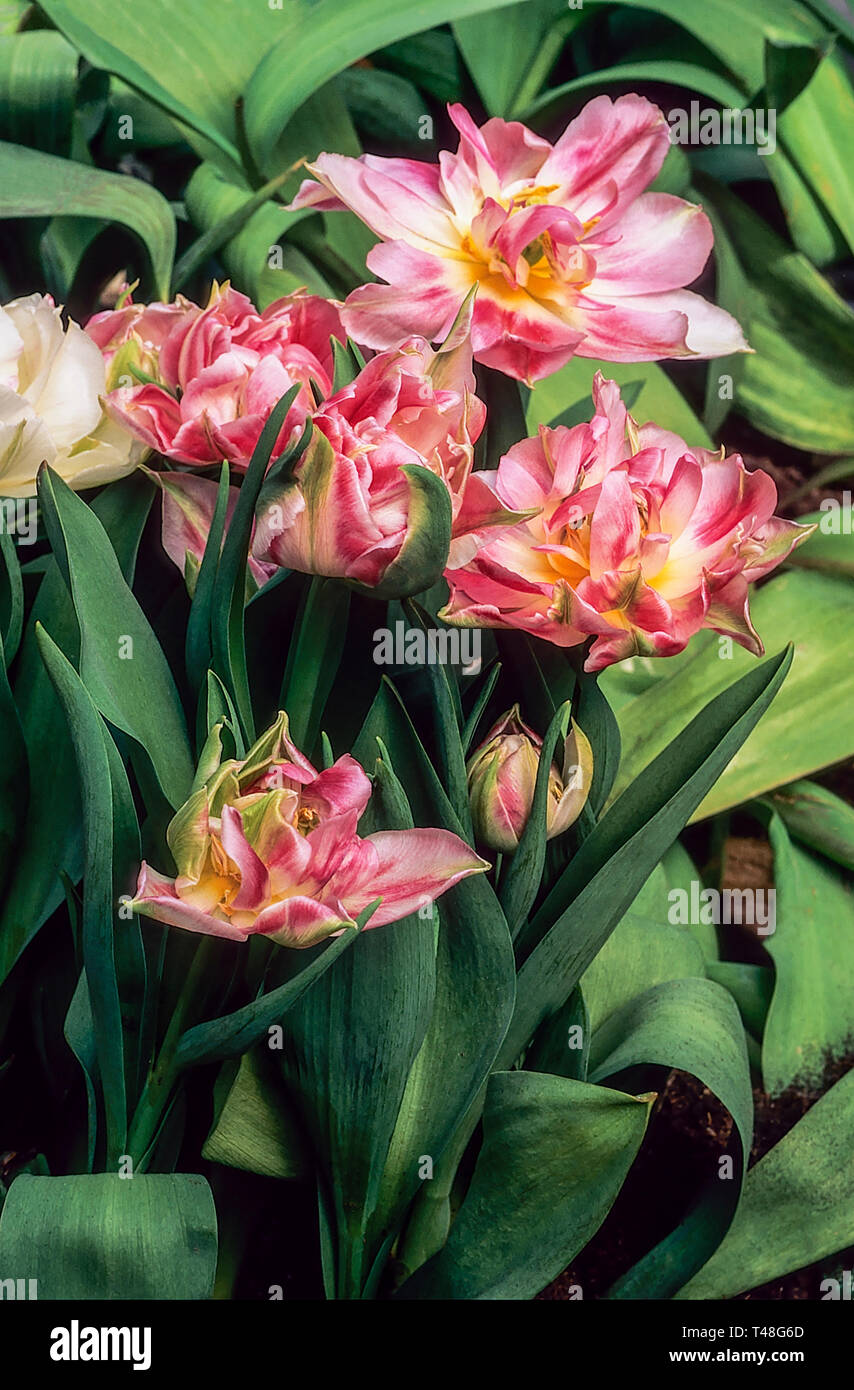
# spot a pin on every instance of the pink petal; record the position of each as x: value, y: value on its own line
x: 683, y: 493
x: 287, y: 860
x: 188, y: 508
x: 525, y: 478
x: 729, y: 612
x: 659, y: 243
x: 216, y: 390
x: 332, y: 845
x: 341, y: 787
x: 608, y: 155
x: 500, y: 152
x: 317, y: 197
x: 526, y: 225
x: 416, y: 174
x: 147, y: 411
x: 424, y: 291
x: 301, y: 921
x: 414, y: 867
x: 480, y: 512
x: 156, y: 897
x: 391, y: 208
x: 517, y: 335
x: 533, y: 616
x: 311, y: 322
x: 645, y: 328
x: 615, y: 528
x: 254, y: 882
x: 777, y: 538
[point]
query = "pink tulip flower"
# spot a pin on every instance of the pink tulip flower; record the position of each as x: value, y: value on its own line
x: 269, y: 846
x: 568, y: 253
x: 638, y: 540
x: 198, y: 384
x: 386, y: 480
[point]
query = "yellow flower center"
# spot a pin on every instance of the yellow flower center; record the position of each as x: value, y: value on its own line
x: 224, y: 879
x: 530, y: 197
x: 306, y: 819
x: 545, y: 269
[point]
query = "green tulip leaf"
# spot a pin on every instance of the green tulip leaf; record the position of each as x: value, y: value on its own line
x: 472, y: 1005
x: 52, y: 830
x: 811, y: 724
x: 42, y: 185
x: 121, y: 662
x: 554, y: 1156
x: 693, y: 1025
x: 102, y: 1236
x: 817, y: 818
x: 797, y: 1207
x: 255, y: 1129
x: 812, y: 946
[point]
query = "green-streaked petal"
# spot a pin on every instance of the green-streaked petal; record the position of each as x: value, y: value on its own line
x: 223, y: 787
x: 424, y: 553
x: 265, y: 817
x: 188, y: 836
x: 577, y: 778
x: 265, y: 750
x: 209, y: 759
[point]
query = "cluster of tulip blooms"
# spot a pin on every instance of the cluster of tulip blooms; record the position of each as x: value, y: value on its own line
x: 621, y: 538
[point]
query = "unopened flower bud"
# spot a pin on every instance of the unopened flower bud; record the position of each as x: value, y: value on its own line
x: 502, y: 776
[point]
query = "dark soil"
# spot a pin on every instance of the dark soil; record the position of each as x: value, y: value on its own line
x: 688, y: 1126
x: 795, y: 496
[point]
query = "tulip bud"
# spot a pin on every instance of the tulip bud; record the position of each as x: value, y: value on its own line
x: 502, y: 776
x: 386, y: 528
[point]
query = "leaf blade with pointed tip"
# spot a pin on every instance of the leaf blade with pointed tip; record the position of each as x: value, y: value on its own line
x: 798, y: 1203
x: 554, y: 1156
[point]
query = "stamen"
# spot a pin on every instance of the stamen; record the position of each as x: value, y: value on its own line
x: 306, y: 819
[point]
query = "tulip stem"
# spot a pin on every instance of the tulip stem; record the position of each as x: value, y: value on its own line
x: 314, y: 658
x: 160, y: 1085
x: 430, y: 1214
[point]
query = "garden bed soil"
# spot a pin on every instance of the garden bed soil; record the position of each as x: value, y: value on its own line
x: 689, y: 1125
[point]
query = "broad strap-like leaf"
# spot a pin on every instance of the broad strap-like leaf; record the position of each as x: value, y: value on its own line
x: 554, y: 1156
x: 612, y: 865
x: 121, y: 661
x: 798, y: 1203
x: 104, y: 1236
x: 693, y: 1025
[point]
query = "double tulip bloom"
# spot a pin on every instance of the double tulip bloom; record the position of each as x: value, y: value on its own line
x: 502, y: 777
x: 52, y: 378
x: 568, y: 252
x: 636, y: 540
x: 198, y: 385
x: 269, y: 846
x: 385, y: 488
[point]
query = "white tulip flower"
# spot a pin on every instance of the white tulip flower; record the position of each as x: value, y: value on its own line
x: 52, y: 379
